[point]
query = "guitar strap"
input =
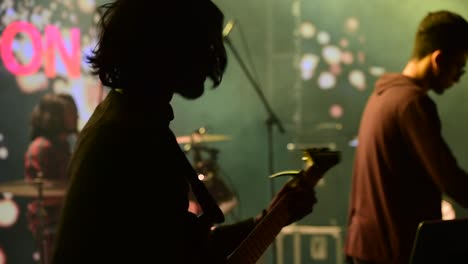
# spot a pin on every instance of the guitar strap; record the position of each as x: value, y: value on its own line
x: 212, y: 214
x: 208, y: 204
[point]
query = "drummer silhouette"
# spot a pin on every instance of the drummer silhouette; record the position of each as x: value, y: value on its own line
x: 53, y: 120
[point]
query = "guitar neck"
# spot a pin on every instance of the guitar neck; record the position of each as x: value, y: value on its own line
x: 265, y: 232
x: 253, y: 247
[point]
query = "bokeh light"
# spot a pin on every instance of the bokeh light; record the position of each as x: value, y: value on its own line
x: 323, y: 38
x: 331, y: 54
x: 307, y: 30
x: 3, y: 149
x: 353, y: 142
x: 352, y: 24
x: 9, y: 212
x: 347, y: 57
x: 344, y: 43
x: 336, y: 111
x: 357, y: 78
x: 308, y: 65
x: 376, y: 71
x: 448, y: 212
x: 87, y: 6
x: 326, y: 80
x: 3, y: 153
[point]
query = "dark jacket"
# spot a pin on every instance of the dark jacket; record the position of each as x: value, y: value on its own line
x: 128, y: 198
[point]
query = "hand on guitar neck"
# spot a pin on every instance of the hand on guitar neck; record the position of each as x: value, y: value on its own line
x: 298, y: 194
x: 297, y: 199
x: 294, y: 201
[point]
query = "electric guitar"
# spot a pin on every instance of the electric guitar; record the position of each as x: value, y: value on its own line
x: 317, y: 162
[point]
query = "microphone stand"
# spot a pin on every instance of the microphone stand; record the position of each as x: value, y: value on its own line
x: 270, y: 122
x: 43, y: 257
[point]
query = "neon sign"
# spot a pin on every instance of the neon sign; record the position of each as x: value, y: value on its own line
x: 43, y: 51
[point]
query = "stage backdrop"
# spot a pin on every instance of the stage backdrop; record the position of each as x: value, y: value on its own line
x: 313, y: 63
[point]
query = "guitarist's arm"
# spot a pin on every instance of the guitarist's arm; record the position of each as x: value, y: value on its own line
x: 226, y: 238
x: 294, y: 201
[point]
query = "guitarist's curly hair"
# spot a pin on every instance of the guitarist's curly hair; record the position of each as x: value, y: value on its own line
x: 140, y: 37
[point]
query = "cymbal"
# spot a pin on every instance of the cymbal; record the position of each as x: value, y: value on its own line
x: 201, y: 138
x: 24, y: 188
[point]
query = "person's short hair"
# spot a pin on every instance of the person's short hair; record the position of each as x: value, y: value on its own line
x: 441, y: 30
x: 47, y: 117
x: 152, y: 39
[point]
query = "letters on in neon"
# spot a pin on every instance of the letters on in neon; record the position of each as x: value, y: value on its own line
x: 43, y: 51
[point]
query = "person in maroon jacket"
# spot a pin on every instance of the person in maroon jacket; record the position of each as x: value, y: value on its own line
x: 403, y: 165
x: 128, y: 197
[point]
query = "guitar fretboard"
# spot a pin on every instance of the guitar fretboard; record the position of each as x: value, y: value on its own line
x: 259, y: 239
x: 252, y: 248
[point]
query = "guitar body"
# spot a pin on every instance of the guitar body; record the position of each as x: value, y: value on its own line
x: 318, y: 161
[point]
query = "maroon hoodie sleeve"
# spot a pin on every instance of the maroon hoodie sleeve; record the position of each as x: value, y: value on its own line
x: 422, y: 128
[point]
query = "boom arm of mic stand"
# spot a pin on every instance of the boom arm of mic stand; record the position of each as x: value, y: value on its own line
x: 273, y: 119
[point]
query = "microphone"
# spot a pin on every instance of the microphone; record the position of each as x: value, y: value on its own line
x: 228, y: 28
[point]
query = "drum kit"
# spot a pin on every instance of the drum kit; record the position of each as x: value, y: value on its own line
x: 204, y: 162
x: 40, y: 190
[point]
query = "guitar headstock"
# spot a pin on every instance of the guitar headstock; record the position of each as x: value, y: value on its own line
x: 323, y: 158
x: 318, y: 161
